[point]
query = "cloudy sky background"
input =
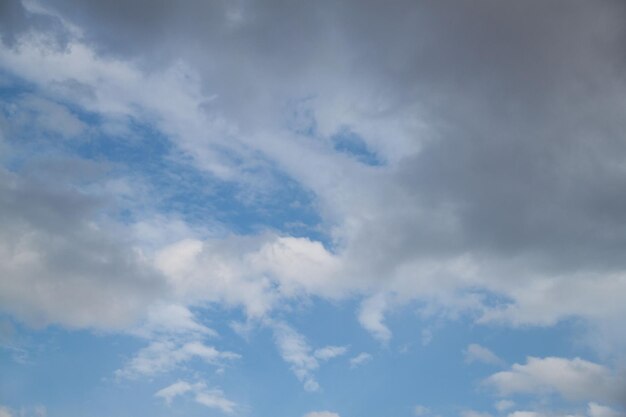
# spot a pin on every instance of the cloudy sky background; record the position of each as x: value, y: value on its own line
x: 332, y: 208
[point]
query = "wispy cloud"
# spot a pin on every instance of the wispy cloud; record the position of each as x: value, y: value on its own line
x: 360, y: 359
x: 212, y: 398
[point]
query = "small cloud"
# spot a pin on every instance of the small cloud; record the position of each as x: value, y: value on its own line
x: 163, y: 356
x: 427, y: 337
x: 360, y: 359
x: 330, y: 352
x: 597, y: 410
x: 295, y: 350
x: 420, y: 410
x: 372, y: 315
x: 170, y: 392
x: 478, y: 353
x: 473, y: 413
x: 215, y: 399
x: 212, y: 398
x: 5, y: 412
x: 321, y: 414
x: 525, y: 414
x: 504, y: 405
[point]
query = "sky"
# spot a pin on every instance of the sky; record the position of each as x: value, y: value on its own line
x: 349, y: 208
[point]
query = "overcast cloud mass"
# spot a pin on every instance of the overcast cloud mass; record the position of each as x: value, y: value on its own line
x: 313, y: 209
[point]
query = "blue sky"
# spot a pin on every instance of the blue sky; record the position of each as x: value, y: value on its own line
x: 312, y: 209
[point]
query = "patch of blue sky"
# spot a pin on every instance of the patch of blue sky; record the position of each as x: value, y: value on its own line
x: 410, y: 370
x: 350, y: 143
x: 141, y: 152
x: 61, y: 367
x: 301, y: 117
x: 11, y: 84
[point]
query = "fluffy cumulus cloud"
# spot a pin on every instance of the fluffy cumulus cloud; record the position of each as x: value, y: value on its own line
x: 574, y: 379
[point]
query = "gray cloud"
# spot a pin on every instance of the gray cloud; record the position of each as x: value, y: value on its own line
x: 57, y: 265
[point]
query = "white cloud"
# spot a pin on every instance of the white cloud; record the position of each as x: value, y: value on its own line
x: 244, y: 269
x: 162, y: 356
x: 473, y: 413
x: 574, y: 379
x: 5, y: 412
x: 598, y: 410
x: 329, y: 352
x: 321, y: 414
x: 176, y: 389
x: 503, y: 405
x: 212, y: 398
x: 360, y: 359
x: 593, y: 410
x: 215, y: 399
x: 171, y: 319
x: 526, y: 414
x: 26, y: 411
x: 477, y: 353
x: 295, y: 350
x: 420, y: 410
x: 371, y: 317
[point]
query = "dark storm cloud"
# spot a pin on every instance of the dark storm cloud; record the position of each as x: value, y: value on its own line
x: 525, y: 97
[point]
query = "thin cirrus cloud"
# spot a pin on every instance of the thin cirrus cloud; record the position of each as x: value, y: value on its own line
x: 212, y: 398
x: 477, y: 353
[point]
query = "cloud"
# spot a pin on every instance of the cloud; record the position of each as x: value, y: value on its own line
x: 371, y: 316
x: 215, y: 399
x: 59, y: 265
x: 360, y: 359
x: 526, y: 414
x: 473, y: 413
x: 598, y: 410
x: 212, y: 398
x: 165, y: 355
x: 253, y: 272
x: 295, y: 350
x: 498, y: 165
x: 171, y: 320
x: 593, y: 410
x: 329, y: 352
x: 503, y: 405
x: 29, y: 411
x: 574, y: 379
x: 176, y: 389
x: 5, y: 412
x: 420, y: 410
x: 478, y: 353
x: 321, y: 414
x: 32, y: 114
